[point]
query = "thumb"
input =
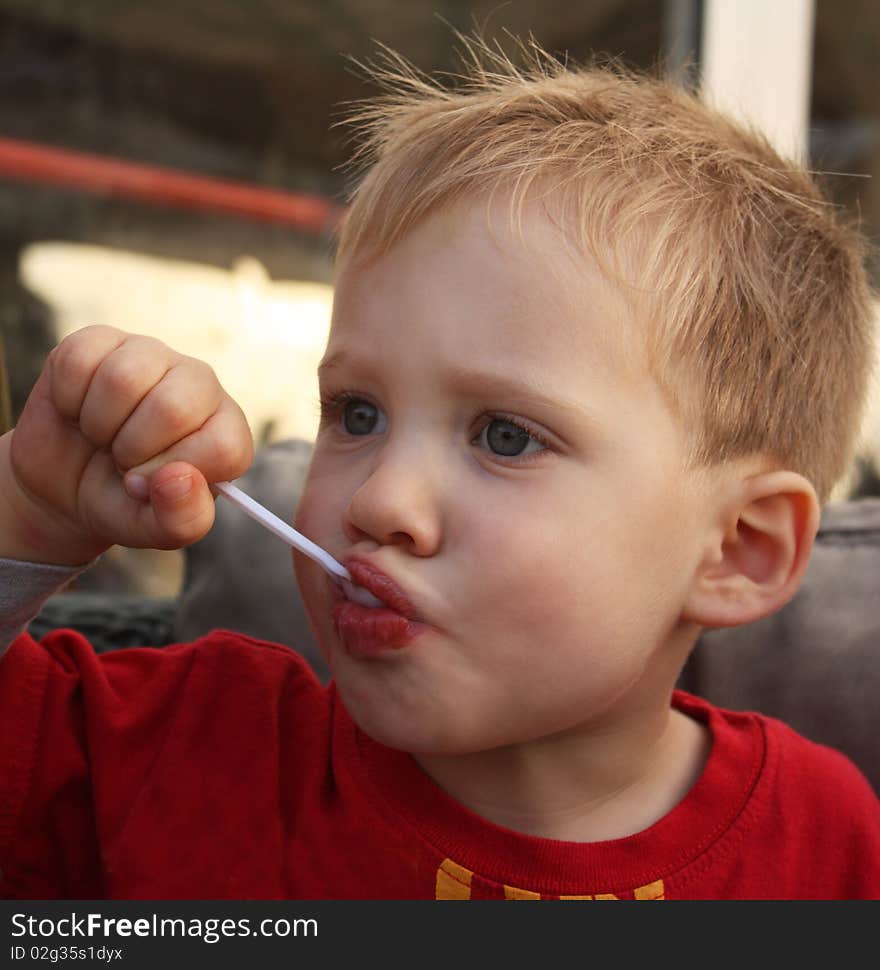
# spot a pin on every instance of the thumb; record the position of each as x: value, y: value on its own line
x: 180, y: 505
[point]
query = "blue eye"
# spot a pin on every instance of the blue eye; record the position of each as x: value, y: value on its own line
x: 508, y: 439
x: 359, y: 417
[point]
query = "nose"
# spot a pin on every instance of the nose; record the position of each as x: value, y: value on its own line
x: 397, y: 504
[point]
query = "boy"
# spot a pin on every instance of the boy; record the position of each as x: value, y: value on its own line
x: 597, y: 358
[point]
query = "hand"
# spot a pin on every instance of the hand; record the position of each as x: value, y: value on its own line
x: 117, y: 444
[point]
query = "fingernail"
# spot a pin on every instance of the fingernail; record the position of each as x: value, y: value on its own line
x: 137, y: 487
x: 175, y: 488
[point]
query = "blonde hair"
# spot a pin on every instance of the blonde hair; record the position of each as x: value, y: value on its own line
x: 754, y: 289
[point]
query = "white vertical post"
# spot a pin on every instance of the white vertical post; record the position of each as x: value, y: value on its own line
x: 757, y: 66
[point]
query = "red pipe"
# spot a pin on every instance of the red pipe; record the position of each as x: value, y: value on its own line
x: 32, y: 162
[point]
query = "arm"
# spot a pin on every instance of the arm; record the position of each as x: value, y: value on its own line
x: 24, y: 588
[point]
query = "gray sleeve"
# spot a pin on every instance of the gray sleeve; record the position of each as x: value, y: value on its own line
x: 24, y: 588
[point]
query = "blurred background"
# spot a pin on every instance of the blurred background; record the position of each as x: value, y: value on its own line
x: 174, y: 168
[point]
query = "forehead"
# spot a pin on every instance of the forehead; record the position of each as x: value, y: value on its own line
x: 481, y: 278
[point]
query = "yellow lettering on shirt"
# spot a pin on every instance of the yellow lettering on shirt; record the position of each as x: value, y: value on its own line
x: 511, y: 892
x: 453, y: 881
x: 653, y: 890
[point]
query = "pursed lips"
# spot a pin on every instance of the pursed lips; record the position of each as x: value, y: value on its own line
x: 375, y: 631
x: 366, y: 574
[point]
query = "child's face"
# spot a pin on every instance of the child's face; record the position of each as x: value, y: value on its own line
x: 498, y: 450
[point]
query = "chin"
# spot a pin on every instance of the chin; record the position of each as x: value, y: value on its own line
x: 412, y: 732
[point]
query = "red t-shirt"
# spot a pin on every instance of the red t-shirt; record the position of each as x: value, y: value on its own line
x: 223, y: 769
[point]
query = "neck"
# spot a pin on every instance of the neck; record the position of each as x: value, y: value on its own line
x: 605, y: 781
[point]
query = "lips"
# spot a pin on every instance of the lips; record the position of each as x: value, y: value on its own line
x: 374, y: 631
x: 383, y: 587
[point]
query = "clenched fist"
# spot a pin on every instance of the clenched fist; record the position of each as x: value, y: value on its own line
x: 117, y: 444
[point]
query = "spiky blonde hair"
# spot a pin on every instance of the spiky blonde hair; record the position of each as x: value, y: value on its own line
x: 755, y: 305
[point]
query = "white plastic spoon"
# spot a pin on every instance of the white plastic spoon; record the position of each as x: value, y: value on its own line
x: 296, y: 539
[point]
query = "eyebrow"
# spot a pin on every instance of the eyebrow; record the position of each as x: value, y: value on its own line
x: 521, y: 389
x: 476, y: 383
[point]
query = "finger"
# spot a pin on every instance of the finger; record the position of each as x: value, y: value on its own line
x: 72, y: 364
x: 181, y: 504
x: 121, y: 381
x: 184, y: 399
x: 222, y: 449
x: 48, y: 452
x: 179, y: 510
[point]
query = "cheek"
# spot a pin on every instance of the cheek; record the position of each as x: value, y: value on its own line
x: 519, y: 574
x: 320, y: 505
x: 316, y: 519
x: 601, y: 564
x: 307, y: 510
x: 542, y: 538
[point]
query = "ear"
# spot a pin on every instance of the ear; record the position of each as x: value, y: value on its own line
x: 759, y: 554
